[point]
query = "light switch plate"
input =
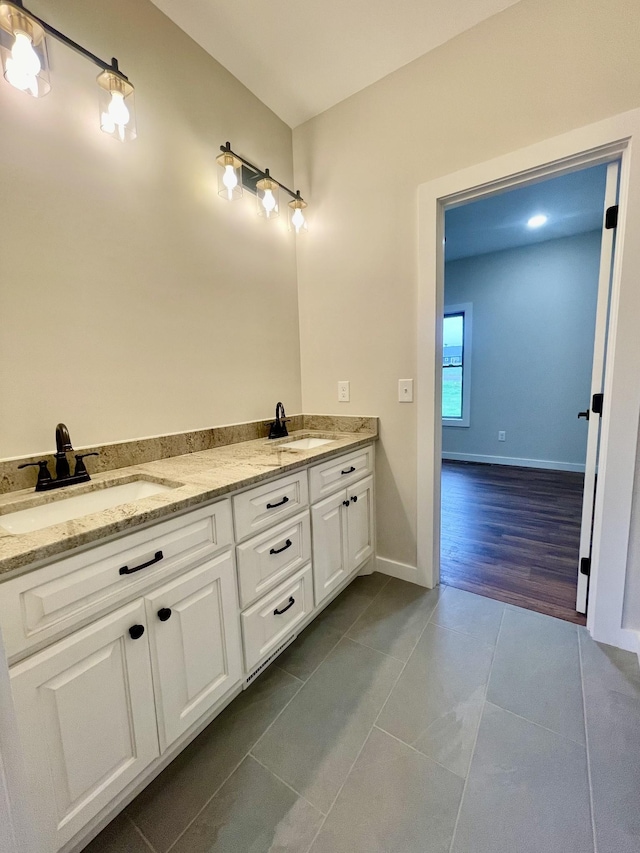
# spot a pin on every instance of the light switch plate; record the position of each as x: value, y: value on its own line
x: 344, y: 393
x: 405, y: 390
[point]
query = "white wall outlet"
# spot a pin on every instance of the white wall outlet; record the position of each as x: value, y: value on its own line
x: 344, y: 395
x: 502, y: 436
x: 405, y: 390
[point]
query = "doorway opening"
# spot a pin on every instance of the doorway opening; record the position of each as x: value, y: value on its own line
x: 526, y: 294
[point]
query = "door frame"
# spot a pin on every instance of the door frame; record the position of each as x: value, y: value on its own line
x: 587, y: 146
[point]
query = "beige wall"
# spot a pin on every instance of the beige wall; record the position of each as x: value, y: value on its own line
x: 535, y: 70
x: 133, y: 300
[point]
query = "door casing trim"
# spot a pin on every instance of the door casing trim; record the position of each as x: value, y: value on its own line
x: 602, y: 142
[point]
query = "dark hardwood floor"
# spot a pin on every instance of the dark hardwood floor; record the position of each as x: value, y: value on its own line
x: 512, y: 534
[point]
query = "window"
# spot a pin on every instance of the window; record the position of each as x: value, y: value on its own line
x: 456, y: 362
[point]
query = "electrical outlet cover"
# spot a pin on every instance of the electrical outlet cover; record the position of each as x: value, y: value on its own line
x: 344, y: 393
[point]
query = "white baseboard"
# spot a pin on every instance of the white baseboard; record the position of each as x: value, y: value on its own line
x: 397, y: 570
x: 515, y: 461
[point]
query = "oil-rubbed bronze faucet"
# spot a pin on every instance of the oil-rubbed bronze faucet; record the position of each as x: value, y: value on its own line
x: 279, y: 426
x: 63, y: 446
x: 64, y: 477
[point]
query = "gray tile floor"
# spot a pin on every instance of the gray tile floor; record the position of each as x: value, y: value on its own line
x: 411, y: 721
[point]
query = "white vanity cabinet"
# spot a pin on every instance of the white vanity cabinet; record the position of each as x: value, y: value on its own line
x: 119, y: 654
x: 195, y: 644
x: 85, y: 711
x: 342, y: 523
x: 97, y: 707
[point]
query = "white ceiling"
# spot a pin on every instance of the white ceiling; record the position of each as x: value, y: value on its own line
x: 301, y: 57
x: 573, y: 204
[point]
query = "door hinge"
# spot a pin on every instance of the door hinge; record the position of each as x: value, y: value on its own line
x: 596, y: 404
x: 585, y: 566
x: 611, y: 217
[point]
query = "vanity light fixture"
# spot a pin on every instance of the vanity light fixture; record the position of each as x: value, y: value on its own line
x: 236, y: 174
x: 229, y: 175
x: 24, y: 50
x: 297, y: 219
x: 267, y: 196
x: 25, y: 63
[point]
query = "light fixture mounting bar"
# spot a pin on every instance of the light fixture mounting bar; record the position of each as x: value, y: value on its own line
x: 263, y: 174
x: 56, y: 34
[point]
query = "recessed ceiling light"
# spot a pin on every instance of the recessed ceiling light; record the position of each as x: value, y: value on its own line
x: 537, y: 221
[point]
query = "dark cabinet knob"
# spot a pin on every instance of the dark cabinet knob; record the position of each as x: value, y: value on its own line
x: 164, y: 613
x: 355, y: 499
x: 136, y: 631
x: 345, y: 503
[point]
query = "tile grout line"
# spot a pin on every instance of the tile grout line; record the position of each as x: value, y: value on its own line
x: 417, y: 751
x: 226, y: 779
x: 475, y: 740
x: 587, y: 750
x: 335, y: 799
x: 343, y: 634
x: 272, y: 723
x: 534, y: 723
x: 372, y: 648
x: 361, y: 616
x: 286, y: 784
x: 141, y: 834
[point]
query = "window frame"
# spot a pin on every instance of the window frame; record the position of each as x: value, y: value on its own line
x: 466, y: 309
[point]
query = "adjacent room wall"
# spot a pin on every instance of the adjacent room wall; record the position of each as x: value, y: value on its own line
x: 536, y: 70
x: 533, y: 326
x: 133, y: 300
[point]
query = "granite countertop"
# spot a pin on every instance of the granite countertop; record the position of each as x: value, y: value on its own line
x: 195, y: 478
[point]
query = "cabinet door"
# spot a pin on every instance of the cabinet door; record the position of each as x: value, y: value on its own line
x: 195, y: 644
x: 87, y: 721
x: 360, y: 535
x: 329, y: 536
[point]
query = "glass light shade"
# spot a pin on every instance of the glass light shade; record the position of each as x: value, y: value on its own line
x: 267, y: 195
x: 117, y: 107
x: 25, y: 63
x: 229, y: 176
x: 297, y: 217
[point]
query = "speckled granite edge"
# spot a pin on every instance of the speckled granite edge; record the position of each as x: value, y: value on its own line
x: 123, y: 454
x: 196, y: 478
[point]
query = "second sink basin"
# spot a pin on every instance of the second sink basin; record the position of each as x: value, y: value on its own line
x: 306, y: 443
x: 76, y: 506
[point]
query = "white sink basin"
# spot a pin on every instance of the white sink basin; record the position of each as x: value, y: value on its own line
x: 76, y: 506
x: 307, y: 443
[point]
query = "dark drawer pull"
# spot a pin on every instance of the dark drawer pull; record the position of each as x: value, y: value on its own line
x: 125, y: 570
x: 287, y: 544
x: 355, y: 499
x: 164, y: 613
x: 285, y: 500
x: 348, y: 471
x: 136, y: 631
x: 345, y: 503
x: 277, y: 612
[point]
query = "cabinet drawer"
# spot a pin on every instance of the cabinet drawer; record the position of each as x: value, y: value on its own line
x: 273, y: 619
x: 46, y: 602
x: 265, y: 505
x: 266, y: 560
x: 330, y: 476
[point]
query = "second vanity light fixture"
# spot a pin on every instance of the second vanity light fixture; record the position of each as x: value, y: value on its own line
x: 25, y: 62
x: 237, y: 173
